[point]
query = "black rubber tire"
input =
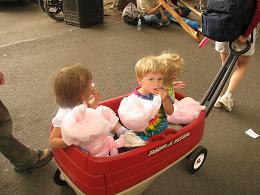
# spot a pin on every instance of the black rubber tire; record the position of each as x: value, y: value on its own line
x: 58, y: 180
x: 196, y: 159
x: 41, y: 5
x: 58, y: 7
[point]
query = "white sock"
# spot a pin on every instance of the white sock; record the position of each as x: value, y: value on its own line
x: 121, y: 131
x: 227, y: 94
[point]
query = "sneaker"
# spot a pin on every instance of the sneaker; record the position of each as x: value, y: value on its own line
x: 226, y: 102
x: 157, y: 26
x: 44, y: 156
x: 132, y: 140
x: 217, y: 103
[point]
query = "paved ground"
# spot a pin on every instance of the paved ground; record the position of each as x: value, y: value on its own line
x: 32, y: 47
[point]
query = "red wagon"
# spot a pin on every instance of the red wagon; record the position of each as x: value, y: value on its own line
x: 133, y: 171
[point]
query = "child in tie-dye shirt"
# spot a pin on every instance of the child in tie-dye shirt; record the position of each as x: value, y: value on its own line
x: 149, y: 74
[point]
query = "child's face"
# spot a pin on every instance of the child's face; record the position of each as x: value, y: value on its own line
x: 151, y: 83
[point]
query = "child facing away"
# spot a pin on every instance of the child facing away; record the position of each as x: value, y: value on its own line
x: 186, y: 109
x: 172, y: 64
x: 78, y: 102
x: 144, y: 111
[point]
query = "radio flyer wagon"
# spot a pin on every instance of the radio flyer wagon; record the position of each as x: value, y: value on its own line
x: 133, y: 171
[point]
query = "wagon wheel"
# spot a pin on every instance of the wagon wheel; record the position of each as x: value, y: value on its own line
x: 57, y: 179
x: 196, y: 159
x: 54, y: 9
x: 41, y: 4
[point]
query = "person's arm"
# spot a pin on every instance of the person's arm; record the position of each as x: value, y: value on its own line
x: 56, y: 140
x: 162, y: 14
x: 167, y: 105
x: 154, y: 10
x: 255, y: 20
x: 166, y: 102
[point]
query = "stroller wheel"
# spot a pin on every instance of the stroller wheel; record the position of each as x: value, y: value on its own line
x: 57, y: 179
x: 196, y: 159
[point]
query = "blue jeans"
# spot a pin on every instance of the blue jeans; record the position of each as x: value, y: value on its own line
x: 155, y: 18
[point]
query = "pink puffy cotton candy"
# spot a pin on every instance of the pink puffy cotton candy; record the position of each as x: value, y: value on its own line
x: 89, y: 129
x: 104, y: 145
x: 135, y: 112
x: 185, y: 110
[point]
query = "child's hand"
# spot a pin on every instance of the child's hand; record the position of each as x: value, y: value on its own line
x: 179, y: 85
x: 2, y: 80
x: 164, y: 18
x: 163, y: 93
x: 94, y: 98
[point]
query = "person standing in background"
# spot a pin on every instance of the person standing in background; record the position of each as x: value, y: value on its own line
x: 226, y: 101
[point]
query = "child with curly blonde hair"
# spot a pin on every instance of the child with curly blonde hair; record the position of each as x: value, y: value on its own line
x: 187, y: 109
x: 173, y: 66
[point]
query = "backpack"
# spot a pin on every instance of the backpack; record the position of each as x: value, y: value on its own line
x: 130, y: 14
x: 226, y: 20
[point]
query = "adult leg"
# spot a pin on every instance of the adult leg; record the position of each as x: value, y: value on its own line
x: 239, y: 73
x: 17, y: 153
x: 12, y: 149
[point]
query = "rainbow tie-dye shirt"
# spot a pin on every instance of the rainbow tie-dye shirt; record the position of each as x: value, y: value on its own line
x: 157, y: 124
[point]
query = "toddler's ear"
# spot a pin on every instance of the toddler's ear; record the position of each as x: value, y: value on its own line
x: 139, y: 81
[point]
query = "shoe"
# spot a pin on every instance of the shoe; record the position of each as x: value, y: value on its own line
x: 132, y: 140
x: 157, y: 26
x: 44, y: 156
x: 217, y: 104
x: 226, y: 102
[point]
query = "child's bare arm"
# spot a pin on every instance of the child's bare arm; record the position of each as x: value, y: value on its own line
x: 167, y: 105
x: 166, y: 101
x: 56, y: 139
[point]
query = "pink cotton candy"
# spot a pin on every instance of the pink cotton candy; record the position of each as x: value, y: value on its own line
x: 89, y: 128
x: 185, y: 111
x: 135, y: 112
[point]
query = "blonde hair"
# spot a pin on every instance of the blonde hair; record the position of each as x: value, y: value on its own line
x: 172, y: 65
x: 70, y: 84
x: 146, y: 65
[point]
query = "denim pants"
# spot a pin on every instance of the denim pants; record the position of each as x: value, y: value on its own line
x: 155, y: 18
x: 17, y: 153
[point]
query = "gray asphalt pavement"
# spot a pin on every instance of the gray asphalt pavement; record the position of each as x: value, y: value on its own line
x: 33, y: 47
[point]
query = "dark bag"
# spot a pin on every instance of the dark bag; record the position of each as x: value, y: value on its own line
x: 225, y: 20
x: 183, y: 11
x: 130, y: 14
x: 123, y: 3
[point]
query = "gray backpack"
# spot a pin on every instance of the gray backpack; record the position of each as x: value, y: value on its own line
x: 130, y: 14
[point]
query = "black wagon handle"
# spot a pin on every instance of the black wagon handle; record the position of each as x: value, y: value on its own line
x: 222, y: 76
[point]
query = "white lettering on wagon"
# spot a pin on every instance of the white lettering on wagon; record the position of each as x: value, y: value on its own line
x: 167, y: 145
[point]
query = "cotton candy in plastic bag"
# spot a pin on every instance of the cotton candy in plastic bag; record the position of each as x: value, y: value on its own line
x: 185, y: 111
x: 135, y: 112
